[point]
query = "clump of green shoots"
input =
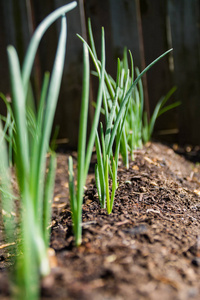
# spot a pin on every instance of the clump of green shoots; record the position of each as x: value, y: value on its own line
x: 160, y: 109
x: 138, y: 128
x: 116, y: 101
x: 30, y: 136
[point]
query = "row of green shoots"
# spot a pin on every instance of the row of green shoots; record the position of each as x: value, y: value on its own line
x: 25, y: 138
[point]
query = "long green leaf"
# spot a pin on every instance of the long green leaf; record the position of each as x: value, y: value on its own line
x: 51, y: 102
x: 114, y: 184
x: 73, y: 201
x: 112, y: 114
x: 98, y: 107
x: 19, y: 108
x: 7, y: 198
x: 100, y: 170
x: 48, y: 198
x: 107, y: 184
x: 83, y: 127
x: 82, y: 144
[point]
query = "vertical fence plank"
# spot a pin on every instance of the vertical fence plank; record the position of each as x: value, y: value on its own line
x: 14, y: 31
x: 159, y: 77
x: 68, y: 109
x: 121, y: 30
x: 4, y: 82
x: 99, y: 14
x: 124, y: 29
x: 185, y: 28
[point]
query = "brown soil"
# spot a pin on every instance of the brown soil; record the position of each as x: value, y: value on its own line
x: 148, y: 248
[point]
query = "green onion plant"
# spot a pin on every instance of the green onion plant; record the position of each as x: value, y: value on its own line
x: 161, y: 108
x: 84, y: 151
x: 116, y: 101
x: 31, y: 135
x: 138, y: 128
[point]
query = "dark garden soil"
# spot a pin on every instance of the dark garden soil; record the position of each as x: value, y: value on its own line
x: 148, y: 248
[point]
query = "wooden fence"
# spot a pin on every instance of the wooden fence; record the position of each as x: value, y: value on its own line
x: 146, y: 27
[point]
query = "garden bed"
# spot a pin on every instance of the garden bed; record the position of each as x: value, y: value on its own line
x: 148, y: 248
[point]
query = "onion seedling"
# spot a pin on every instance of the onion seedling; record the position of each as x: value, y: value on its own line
x: 115, y: 105
x: 32, y: 135
x: 160, y: 109
x: 137, y: 127
x: 84, y: 153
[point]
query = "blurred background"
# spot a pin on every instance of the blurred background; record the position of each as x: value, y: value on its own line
x: 146, y: 27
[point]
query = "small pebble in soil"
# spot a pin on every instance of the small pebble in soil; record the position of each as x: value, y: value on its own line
x: 140, y: 229
x: 196, y: 261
